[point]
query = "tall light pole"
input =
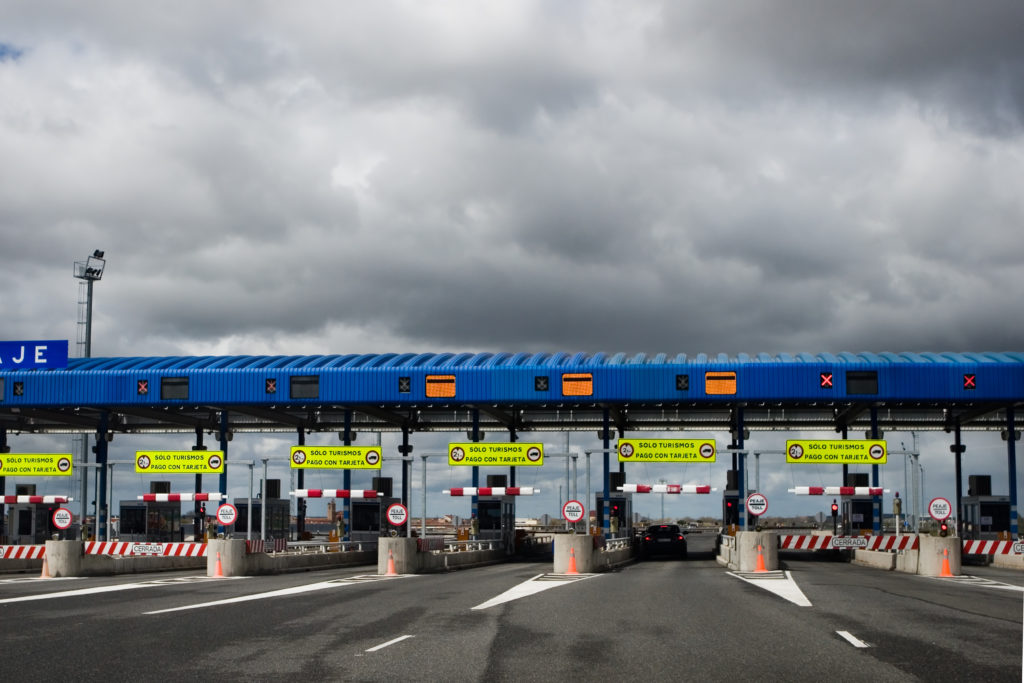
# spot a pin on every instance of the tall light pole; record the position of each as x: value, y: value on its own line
x: 89, y: 271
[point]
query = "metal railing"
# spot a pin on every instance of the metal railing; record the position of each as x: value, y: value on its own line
x: 301, y: 547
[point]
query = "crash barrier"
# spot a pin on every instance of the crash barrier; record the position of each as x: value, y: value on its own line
x: 236, y: 560
x: 141, y: 548
x: 317, y: 546
x: 1005, y: 554
x: 74, y: 558
x: 749, y: 551
x: 408, y: 558
x: 589, y: 553
x: 805, y: 542
x: 912, y: 554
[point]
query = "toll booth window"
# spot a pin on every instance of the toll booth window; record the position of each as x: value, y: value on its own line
x: 365, y: 517
x: 133, y: 519
x: 173, y: 388
x: 862, y: 382
x: 305, y: 386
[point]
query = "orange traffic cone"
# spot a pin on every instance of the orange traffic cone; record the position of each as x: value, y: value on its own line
x: 760, y: 560
x: 46, y: 569
x: 391, y: 564
x: 218, y: 573
x: 572, y: 562
x: 945, y: 564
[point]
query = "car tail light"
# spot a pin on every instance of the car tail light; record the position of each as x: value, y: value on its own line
x: 680, y: 537
x: 647, y: 538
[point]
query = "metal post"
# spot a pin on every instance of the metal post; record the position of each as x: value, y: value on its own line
x: 3, y: 490
x: 248, y: 507
x: 346, y: 478
x: 589, y: 495
x: 574, y: 481
x: 958, y: 450
x: 475, y: 500
x: 1011, y: 457
x: 263, y: 502
x: 606, y: 508
x: 741, y: 484
x: 423, y: 522
x: 197, y: 527
x: 109, y: 502
x: 300, y: 517
x: 876, y: 501
x: 567, y: 480
x: 757, y: 472
x: 101, y: 460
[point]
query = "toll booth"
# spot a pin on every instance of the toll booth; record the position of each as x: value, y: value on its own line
x: 620, y: 505
x: 368, y: 520
x: 278, y: 517
x: 985, y: 517
x: 32, y: 523
x: 497, y: 514
x: 858, y: 513
x: 157, y: 522
x: 279, y: 514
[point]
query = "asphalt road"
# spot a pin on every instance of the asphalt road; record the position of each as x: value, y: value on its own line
x: 659, y: 620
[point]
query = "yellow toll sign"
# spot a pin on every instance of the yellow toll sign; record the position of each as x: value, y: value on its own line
x: 504, y: 454
x: 336, y: 457
x: 836, y: 452
x: 35, y: 465
x: 179, y: 462
x: 667, y: 450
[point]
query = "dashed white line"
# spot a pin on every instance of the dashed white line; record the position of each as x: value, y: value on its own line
x: 390, y: 642
x: 852, y: 639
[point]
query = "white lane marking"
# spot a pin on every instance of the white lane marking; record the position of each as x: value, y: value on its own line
x: 294, y: 590
x: 539, y: 583
x: 968, y: 580
x: 852, y: 639
x: 33, y: 579
x: 390, y: 642
x: 111, y: 589
x: 783, y: 586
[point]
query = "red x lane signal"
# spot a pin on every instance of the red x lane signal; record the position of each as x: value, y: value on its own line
x: 142, y: 387
x: 271, y: 386
x: 826, y: 380
x: 970, y: 382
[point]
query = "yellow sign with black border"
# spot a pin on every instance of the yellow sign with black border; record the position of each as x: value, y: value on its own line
x: 35, y: 464
x: 336, y: 457
x: 179, y: 462
x: 837, y: 452
x: 501, y: 454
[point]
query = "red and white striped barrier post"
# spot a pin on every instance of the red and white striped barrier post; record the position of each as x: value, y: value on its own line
x: 12, y: 500
x: 838, y: 491
x: 491, y: 491
x: 179, y: 497
x: 352, y: 494
x: 666, y: 488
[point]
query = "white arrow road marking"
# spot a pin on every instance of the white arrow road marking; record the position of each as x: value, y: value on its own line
x: 852, y: 640
x: 539, y: 583
x: 294, y: 590
x: 390, y: 642
x: 778, y: 582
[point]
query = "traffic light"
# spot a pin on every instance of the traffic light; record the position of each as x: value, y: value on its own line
x: 732, y: 512
x: 835, y: 517
x: 835, y: 509
x: 943, y: 529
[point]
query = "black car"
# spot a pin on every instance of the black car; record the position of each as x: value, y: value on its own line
x: 663, y: 540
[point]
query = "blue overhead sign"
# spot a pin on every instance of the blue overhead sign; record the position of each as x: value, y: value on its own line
x: 30, y: 355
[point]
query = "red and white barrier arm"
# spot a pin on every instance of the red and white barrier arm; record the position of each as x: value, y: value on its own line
x: 11, y: 500
x: 22, y: 552
x: 354, y: 494
x: 993, y: 547
x: 179, y: 497
x: 665, y: 488
x: 492, y: 491
x: 838, y: 491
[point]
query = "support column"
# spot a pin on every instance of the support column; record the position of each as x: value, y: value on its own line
x: 101, y: 459
x: 512, y: 437
x: 300, y: 511
x: 3, y: 487
x: 958, y: 450
x: 222, y: 483
x: 737, y: 446
x: 605, y: 507
x: 846, y: 467
x: 197, y: 524
x: 346, y: 503
x: 405, y: 450
x: 876, y: 501
x: 475, y: 500
x: 1011, y: 457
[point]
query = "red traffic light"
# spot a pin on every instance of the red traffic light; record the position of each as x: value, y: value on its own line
x: 728, y: 503
x: 835, y: 508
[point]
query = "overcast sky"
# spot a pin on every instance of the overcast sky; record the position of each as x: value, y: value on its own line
x: 336, y: 177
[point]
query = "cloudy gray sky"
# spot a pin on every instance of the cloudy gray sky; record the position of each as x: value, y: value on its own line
x: 344, y: 177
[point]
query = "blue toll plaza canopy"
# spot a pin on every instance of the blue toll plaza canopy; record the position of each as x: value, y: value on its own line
x: 516, y: 392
